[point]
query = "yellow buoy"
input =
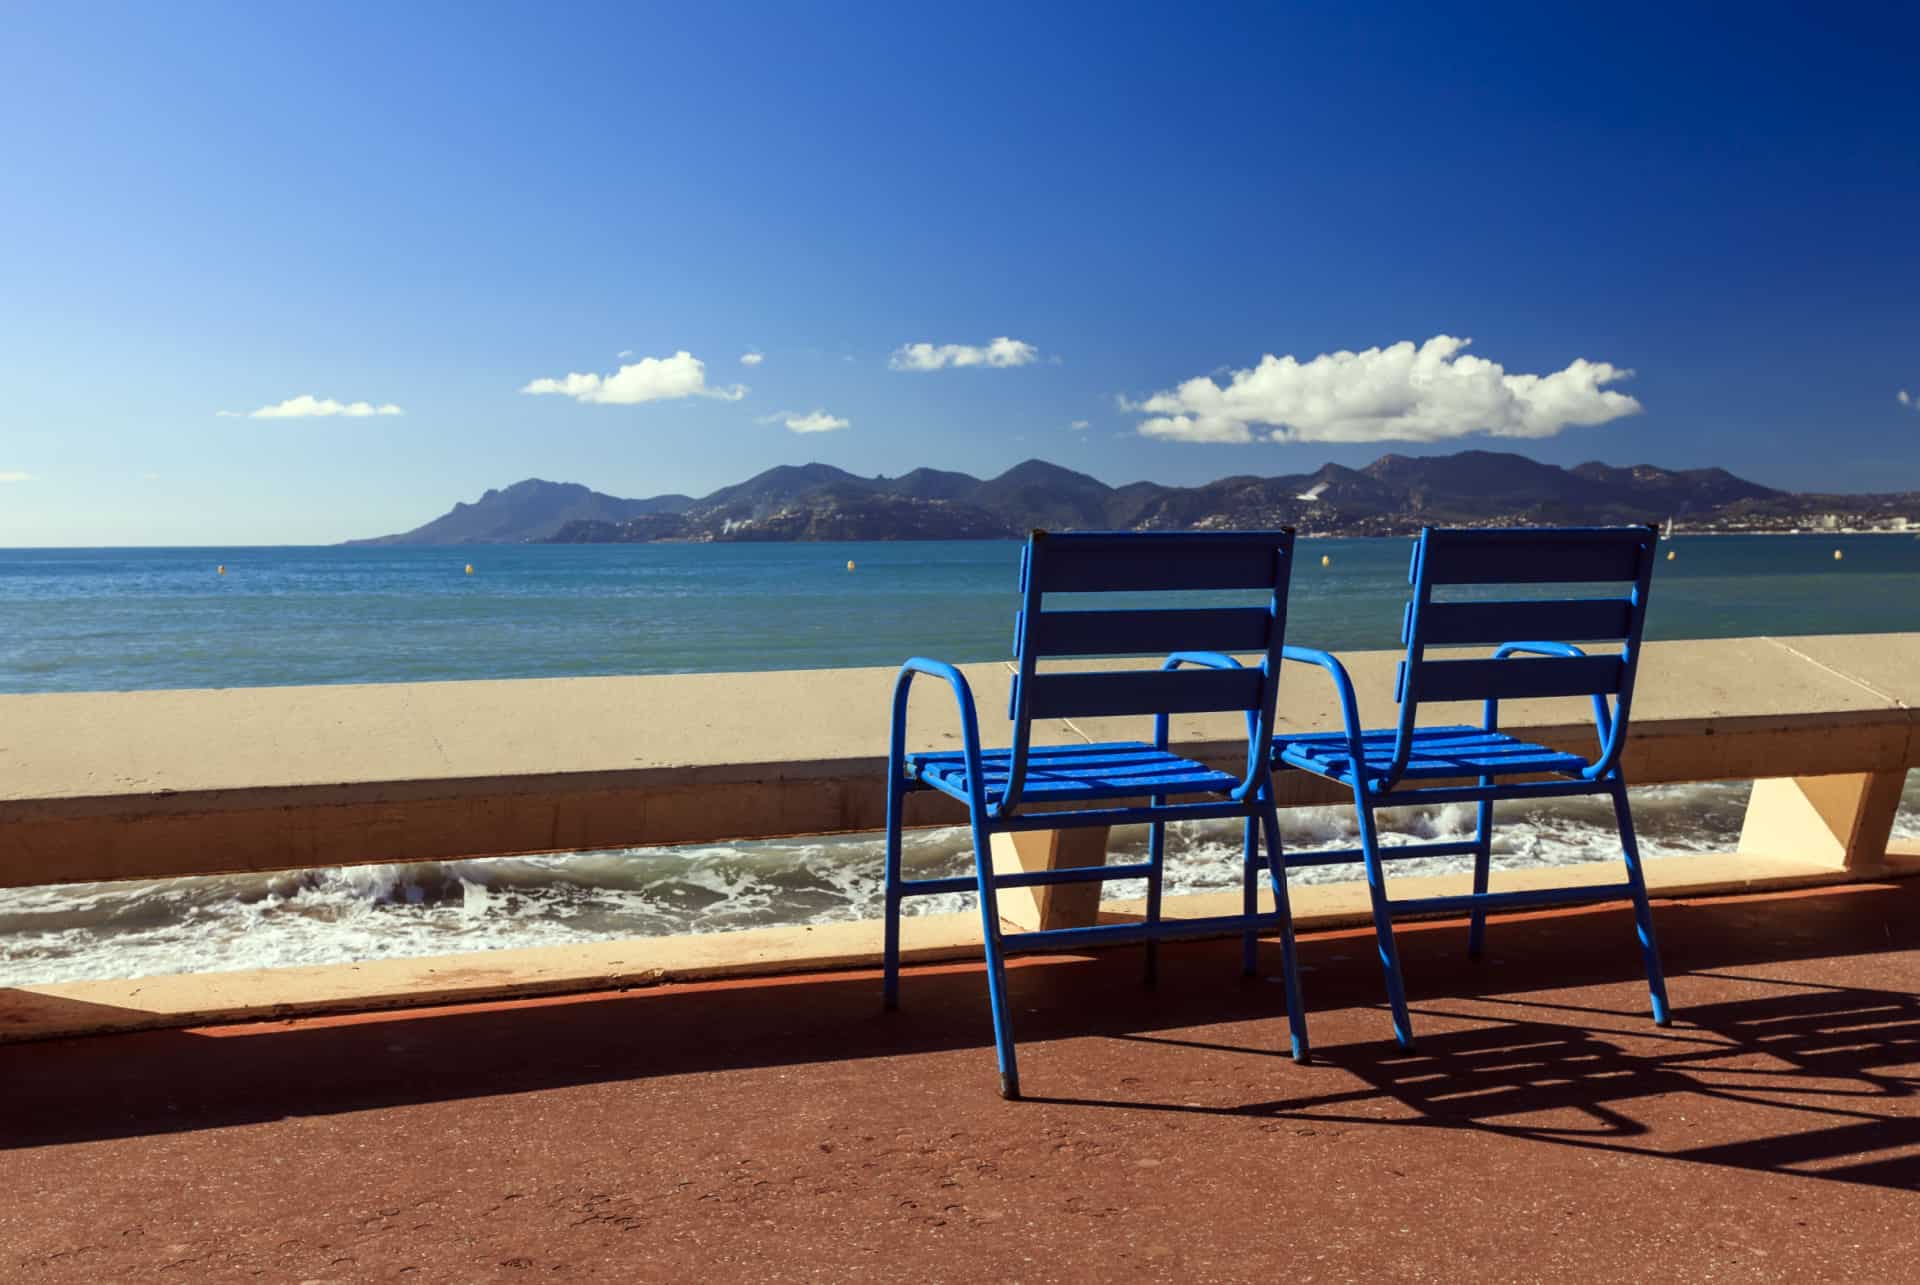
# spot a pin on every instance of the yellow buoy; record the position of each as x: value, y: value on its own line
x: 1325, y: 560
x: 849, y: 564
x: 469, y: 568
x: 221, y: 569
x: 1669, y: 555
x: 1837, y: 555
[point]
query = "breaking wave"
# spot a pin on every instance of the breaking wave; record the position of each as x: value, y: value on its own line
x: 216, y: 923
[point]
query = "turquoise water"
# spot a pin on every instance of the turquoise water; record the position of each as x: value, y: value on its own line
x: 121, y: 619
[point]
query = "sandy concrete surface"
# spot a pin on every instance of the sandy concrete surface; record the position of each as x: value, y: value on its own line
x: 98, y: 786
x: 92, y: 744
x: 788, y: 1130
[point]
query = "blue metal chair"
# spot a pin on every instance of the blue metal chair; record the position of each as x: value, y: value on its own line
x: 1383, y: 767
x: 1105, y: 785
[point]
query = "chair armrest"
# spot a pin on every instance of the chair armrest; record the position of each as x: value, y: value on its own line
x: 1343, y: 691
x: 969, y: 723
x: 1202, y: 660
x: 1602, y: 718
x: 1537, y: 649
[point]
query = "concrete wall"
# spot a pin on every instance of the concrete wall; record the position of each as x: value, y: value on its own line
x: 124, y: 785
x: 97, y: 786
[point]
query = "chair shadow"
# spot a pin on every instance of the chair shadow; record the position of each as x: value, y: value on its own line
x: 1820, y: 1058
x: 1531, y: 1060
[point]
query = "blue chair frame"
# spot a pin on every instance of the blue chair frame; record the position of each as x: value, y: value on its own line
x: 1101, y: 785
x: 1541, y: 632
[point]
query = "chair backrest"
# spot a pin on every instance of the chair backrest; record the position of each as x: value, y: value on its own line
x: 1161, y: 566
x: 1445, y: 559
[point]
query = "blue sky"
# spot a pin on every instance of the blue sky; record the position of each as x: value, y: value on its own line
x: 213, y: 208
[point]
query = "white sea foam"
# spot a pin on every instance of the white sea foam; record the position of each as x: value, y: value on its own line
x: 207, y: 924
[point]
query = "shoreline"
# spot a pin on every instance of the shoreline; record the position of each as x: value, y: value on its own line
x: 332, y: 915
x: 362, y: 546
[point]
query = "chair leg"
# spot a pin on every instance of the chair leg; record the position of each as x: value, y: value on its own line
x: 1289, y: 964
x: 1157, y: 858
x: 1382, y: 918
x: 1642, y: 910
x: 1250, y: 901
x: 890, y: 950
x: 996, y: 963
x: 1482, y: 861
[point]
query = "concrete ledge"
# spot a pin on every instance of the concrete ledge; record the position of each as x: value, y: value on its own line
x: 122, y: 785
x: 102, y: 786
x: 200, y: 999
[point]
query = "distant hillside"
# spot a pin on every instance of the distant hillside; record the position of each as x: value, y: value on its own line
x: 780, y: 485
x: 529, y: 511
x: 1395, y: 494
x: 1039, y: 494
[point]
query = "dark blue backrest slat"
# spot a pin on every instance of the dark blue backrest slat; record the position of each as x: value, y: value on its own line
x: 1533, y: 557
x: 1132, y: 562
x: 1518, y: 679
x: 1144, y: 563
x: 1525, y: 556
x: 1147, y: 691
x: 1555, y: 620
x: 1123, y: 633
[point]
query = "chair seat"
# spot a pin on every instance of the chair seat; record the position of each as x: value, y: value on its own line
x: 1069, y: 773
x: 1437, y: 752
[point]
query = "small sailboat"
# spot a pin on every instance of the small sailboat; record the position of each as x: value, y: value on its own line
x: 1666, y: 532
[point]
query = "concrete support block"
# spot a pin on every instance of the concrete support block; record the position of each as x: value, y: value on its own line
x: 1068, y: 905
x: 1843, y: 820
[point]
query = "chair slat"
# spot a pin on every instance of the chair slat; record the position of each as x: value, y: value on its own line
x: 1562, y: 620
x: 1135, y: 563
x: 1124, y: 633
x: 1526, y: 557
x: 1454, y: 680
x: 1147, y: 691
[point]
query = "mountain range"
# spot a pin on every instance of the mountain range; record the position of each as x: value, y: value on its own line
x: 1393, y: 495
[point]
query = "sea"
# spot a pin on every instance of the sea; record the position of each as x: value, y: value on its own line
x: 131, y: 619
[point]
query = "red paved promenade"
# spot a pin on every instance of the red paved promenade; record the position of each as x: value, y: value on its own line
x: 787, y: 1130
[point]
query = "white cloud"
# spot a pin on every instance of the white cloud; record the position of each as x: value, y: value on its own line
x: 16, y: 477
x: 817, y: 422
x: 752, y: 358
x: 651, y: 379
x: 1908, y: 399
x: 307, y: 406
x: 1078, y: 424
x: 1401, y: 393
x: 624, y: 353
x: 1001, y: 352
